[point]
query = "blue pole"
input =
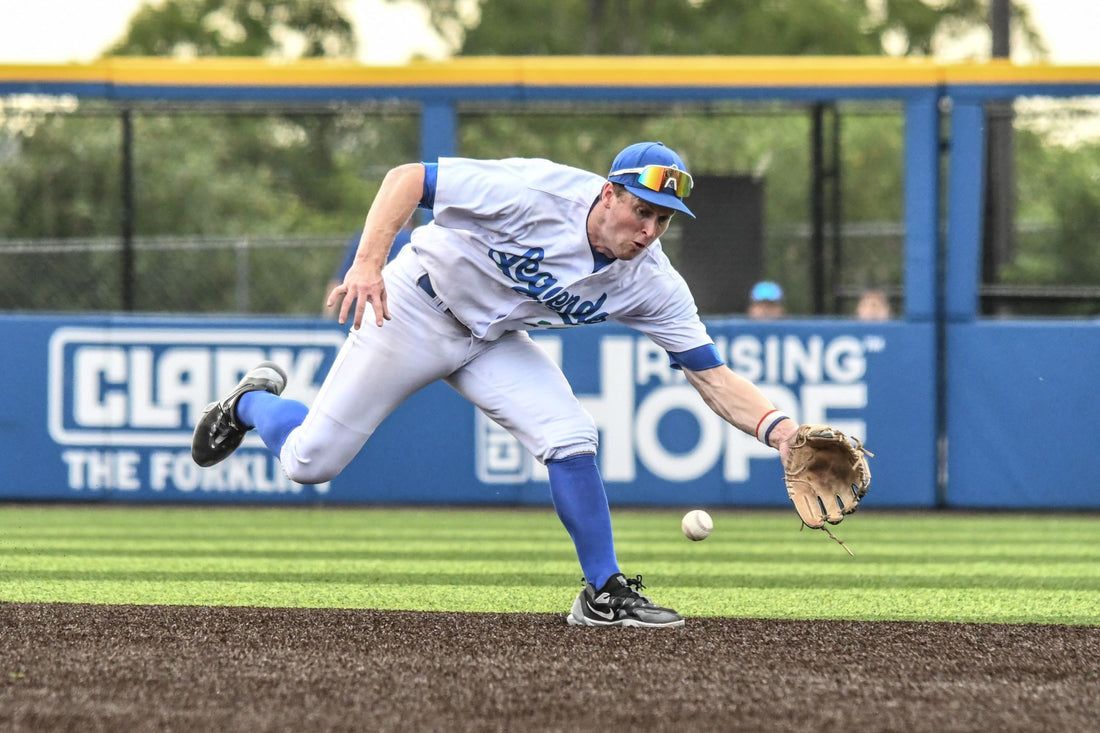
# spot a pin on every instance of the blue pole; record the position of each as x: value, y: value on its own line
x: 964, y: 210
x: 922, y: 211
x: 438, y: 129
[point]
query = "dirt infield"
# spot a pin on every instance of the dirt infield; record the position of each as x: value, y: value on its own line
x: 75, y: 667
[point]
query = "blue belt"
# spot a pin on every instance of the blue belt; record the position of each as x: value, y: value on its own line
x: 425, y: 284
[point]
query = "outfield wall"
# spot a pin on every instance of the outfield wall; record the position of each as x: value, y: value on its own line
x: 102, y: 408
x: 1023, y: 410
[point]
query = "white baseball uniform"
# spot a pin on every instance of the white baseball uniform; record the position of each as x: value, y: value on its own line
x: 507, y: 252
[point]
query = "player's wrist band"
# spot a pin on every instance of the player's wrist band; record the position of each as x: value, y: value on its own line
x: 767, y: 424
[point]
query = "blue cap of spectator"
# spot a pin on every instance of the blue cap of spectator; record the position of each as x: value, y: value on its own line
x: 767, y: 291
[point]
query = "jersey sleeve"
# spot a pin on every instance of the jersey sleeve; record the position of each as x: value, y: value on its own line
x: 669, y: 317
x: 697, y: 359
x: 478, y: 194
x: 427, y: 193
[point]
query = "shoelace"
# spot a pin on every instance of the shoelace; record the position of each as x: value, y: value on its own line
x: 630, y: 592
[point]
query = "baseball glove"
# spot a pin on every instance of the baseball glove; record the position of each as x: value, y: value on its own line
x: 827, y: 474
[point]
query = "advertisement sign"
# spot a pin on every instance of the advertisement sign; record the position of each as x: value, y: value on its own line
x: 660, y: 444
x: 118, y: 404
x: 105, y: 409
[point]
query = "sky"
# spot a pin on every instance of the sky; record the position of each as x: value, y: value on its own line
x: 392, y: 33
x: 31, y: 33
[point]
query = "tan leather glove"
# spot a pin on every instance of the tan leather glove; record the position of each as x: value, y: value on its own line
x: 827, y: 474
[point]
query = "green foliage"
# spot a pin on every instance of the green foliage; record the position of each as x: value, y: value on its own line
x: 1058, y: 188
x: 288, y: 173
x: 200, y: 173
x: 196, y: 173
x: 45, y: 185
x: 917, y: 22
x: 307, y: 28
x: 219, y: 175
x: 774, y: 145
x: 672, y: 27
x: 771, y: 142
x: 677, y: 27
x: 291, y: 165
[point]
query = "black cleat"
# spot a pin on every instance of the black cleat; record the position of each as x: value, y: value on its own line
x: 218, y: 433
x: 619, y: 603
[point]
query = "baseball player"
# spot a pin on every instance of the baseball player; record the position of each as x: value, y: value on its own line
x: 515, y: 245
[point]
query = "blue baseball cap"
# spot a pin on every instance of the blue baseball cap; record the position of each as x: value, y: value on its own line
x: 766, y: 290
x: 633, y: 159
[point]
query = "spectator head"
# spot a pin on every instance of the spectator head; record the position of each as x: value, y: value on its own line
x: 873, y: 305
x: 766, y: 300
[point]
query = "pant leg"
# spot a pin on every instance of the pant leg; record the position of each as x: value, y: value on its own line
x: 516, y: 384
x: 519, y: 387
x: 376, y: 370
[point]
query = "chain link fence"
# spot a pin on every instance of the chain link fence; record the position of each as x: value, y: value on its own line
x: 246, y: 210
x: 224, y: 275
x: 288, y: 275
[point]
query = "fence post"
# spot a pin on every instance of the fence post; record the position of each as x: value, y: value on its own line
x: 817, y: 207
x: 244, y: 273
x: 922, y: 250
x: 922, y: 210
x: 438, y: 129
x: 126, y: 274
x: 965, y: 188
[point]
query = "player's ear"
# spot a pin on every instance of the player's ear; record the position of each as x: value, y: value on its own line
x: 607, y: 194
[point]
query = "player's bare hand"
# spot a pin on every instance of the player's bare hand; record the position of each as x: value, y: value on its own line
x: 361, y: 286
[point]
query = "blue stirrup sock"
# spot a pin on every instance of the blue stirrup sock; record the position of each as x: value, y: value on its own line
x: 581, y: 504
x: 272, y: 416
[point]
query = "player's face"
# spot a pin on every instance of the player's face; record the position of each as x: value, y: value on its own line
x: 628, y: 224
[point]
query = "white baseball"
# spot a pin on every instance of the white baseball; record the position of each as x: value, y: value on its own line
x: 697, y: 525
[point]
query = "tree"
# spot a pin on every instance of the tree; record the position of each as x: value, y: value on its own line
x: 726, y: 138
x: 288, y: 28
x: 1056, y: 198
x: 197, y: 172
x: 919, y: 28
x: 678, y: 27
x: 284, y: 28
x: 296, y: 162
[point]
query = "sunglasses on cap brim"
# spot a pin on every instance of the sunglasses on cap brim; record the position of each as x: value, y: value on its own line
x: 660, y: 178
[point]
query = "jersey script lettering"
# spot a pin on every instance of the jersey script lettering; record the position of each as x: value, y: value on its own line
x: 542, y: 286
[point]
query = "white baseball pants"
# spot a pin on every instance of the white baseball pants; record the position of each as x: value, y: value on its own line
x: 511, y: 380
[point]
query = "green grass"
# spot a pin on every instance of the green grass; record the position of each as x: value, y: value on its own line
x: 936, y: 567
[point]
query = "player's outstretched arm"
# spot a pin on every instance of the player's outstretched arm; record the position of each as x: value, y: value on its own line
x: 740, y: 403
x: 826, y: 473
x: 396, y: 200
